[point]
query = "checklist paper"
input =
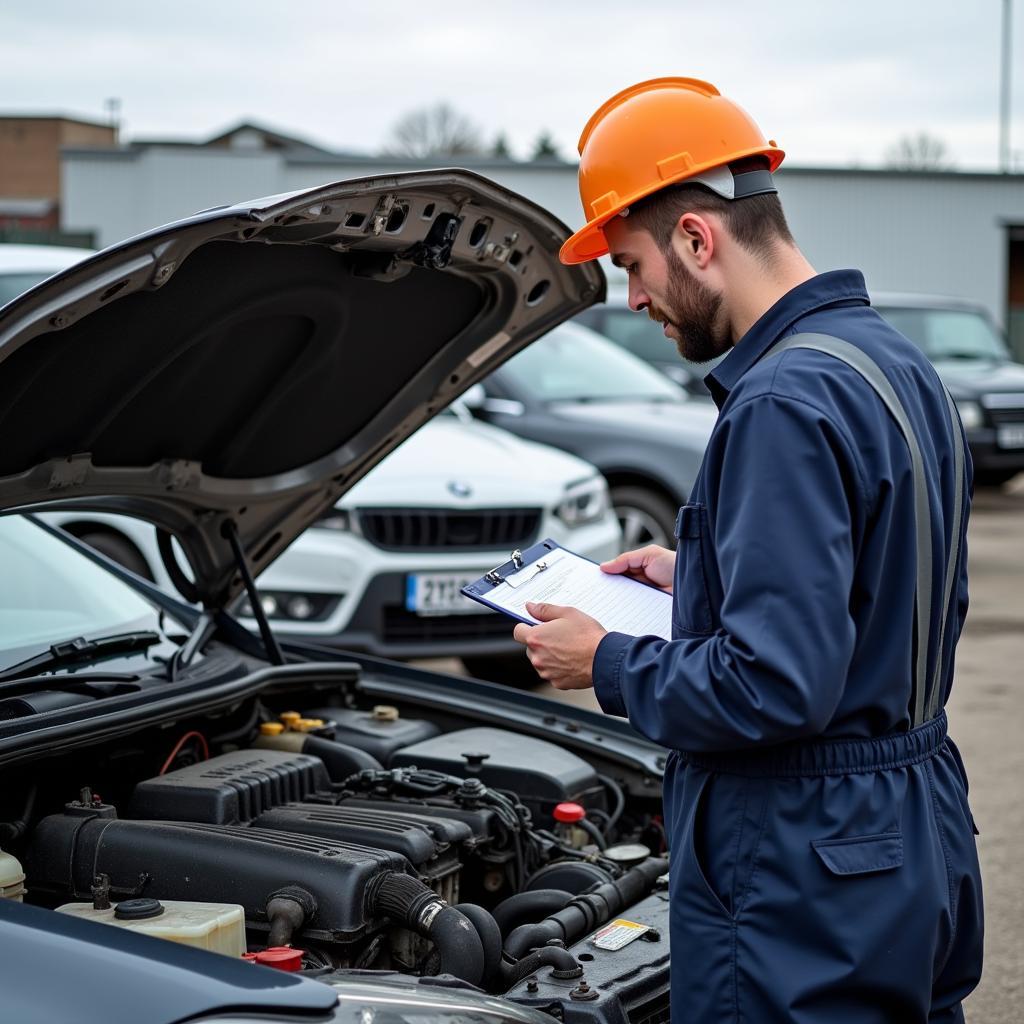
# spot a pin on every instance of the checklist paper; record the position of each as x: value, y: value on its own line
x: 620, y: 604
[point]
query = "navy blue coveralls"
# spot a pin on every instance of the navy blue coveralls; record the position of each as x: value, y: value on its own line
x: 823, y: 863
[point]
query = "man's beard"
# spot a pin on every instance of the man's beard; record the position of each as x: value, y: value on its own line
x: 692, y: 308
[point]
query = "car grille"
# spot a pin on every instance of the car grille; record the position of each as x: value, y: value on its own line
x: 405, y: 627
x: 1006, y: 415
x: 419, y: 529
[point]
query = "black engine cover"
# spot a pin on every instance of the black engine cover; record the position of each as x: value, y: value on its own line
x: 539, y: 772
x: 212, y: 863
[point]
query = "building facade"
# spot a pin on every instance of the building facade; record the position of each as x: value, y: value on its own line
x: 30, y: 170
x: 943, y: 233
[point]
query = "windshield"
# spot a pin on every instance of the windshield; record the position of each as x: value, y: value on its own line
x: 948, y: 333
x: 574, y: 363
x: 12, y: 285
x: 50, y: 593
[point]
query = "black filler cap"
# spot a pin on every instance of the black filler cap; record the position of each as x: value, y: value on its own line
x: 138, y: 910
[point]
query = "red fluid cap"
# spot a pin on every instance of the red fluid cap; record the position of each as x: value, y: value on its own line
x: 569, y: 812
x: 284, y: 958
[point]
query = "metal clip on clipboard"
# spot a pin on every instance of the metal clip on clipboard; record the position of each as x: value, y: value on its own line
x: 494, y: 577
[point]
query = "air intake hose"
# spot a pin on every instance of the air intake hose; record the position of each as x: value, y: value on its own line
x: 408, y: 901
x: 588, y: 910
x: 529, y: 906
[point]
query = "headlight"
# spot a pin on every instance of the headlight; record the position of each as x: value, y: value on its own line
x: 584, y: 502
x: 970, y: 415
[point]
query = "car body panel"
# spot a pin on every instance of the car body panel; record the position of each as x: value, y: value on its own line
x: 661, y: 441
x: 298, y: 292
x: 116, y: 976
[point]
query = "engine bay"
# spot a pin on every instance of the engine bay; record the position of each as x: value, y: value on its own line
x: 348, y: 838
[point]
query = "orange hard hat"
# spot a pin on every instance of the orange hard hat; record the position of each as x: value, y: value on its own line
x: 659, y: 133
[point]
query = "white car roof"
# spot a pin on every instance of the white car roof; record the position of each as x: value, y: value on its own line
x: 20, y: 259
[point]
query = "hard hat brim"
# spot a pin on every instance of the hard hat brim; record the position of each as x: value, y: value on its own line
x: 589, y: 242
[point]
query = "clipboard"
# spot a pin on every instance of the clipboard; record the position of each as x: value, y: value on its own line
x: 619, y: 603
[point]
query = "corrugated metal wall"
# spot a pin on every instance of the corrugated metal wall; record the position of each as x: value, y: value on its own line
x: 940, y: 233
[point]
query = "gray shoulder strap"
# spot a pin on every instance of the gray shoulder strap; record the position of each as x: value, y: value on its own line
x: 925, y: 698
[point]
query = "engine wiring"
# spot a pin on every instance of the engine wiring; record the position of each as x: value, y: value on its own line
x: 192, y: 735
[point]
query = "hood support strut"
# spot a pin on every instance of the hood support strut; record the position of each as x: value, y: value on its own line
x: 274, y: 653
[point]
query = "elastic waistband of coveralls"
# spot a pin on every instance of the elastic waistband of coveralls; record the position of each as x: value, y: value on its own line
x: 828, y: 756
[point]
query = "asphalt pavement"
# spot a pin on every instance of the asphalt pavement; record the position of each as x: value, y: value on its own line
x: 986, y: 716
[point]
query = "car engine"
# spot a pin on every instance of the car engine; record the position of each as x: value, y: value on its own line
x: 477, y: 853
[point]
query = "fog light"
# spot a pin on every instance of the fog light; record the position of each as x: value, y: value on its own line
x: 299, y: 607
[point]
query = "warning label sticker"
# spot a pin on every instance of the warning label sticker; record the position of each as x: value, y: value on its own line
x: 618, y: 933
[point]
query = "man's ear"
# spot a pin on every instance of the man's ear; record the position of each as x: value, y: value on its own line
x: 694, y: 240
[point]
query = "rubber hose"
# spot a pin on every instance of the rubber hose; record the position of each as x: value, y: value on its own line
x: 407, y: 900
x: 288, y: 910
x: 594, y: 832
x: 340, y: 759
x: 564, y: 963
x: 529, y: 936
x: 490, y: 938
x: 524, y: 907
x: 588, y: 910
x: 459, y: 943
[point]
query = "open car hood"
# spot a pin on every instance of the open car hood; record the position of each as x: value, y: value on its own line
x: 248, y: 365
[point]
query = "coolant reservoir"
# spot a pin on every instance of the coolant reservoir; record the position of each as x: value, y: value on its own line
x: 217, y: 927
x: 12, y: 878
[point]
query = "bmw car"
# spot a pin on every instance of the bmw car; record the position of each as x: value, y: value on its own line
x: 203, y: 821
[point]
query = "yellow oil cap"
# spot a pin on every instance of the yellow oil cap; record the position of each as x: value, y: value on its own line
x: 305, y: 724
x: 271, y: 729
x: 290, y: 718
x: 385, y: 713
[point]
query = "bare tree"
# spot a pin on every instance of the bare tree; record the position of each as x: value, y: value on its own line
x: 920, y: 152
x: 439, y: 130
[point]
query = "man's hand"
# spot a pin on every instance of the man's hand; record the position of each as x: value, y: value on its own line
x: 653, y: 565
x: 562, y: 647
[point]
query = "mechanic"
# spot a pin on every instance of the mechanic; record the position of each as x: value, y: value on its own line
x: 824, y: 865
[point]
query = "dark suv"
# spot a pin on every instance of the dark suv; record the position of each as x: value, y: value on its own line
x: 958, y: 336
x: 971, y: 357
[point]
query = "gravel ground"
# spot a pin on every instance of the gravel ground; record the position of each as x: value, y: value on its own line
x: 987, y: 721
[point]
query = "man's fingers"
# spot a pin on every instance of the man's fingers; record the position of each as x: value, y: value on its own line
x: 521, y: 632
x: 546, y: 612
x: 635, y: 559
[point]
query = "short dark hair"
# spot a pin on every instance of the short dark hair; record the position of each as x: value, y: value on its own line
x: 756, y: 222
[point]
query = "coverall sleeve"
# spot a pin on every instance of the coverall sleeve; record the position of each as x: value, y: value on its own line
x: 783, y: 486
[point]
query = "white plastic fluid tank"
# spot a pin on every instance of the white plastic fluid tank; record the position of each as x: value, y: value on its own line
x: 217, y: 927
x: 12, y: 878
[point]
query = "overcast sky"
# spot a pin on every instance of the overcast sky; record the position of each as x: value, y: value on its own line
x: 835, y: 82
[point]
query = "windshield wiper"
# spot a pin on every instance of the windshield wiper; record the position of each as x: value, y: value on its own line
x: 71, y: 652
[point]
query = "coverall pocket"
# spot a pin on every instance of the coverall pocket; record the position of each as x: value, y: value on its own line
x: 861, y: 855
x: 721, y: 842
x: 690, y: 589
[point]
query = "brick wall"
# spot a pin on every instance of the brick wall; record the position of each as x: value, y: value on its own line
x: 30, y: 153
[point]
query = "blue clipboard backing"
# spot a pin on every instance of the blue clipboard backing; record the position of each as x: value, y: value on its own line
x: 479, y: 589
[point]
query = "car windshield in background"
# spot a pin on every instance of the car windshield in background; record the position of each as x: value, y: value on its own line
x: 639, y: 334
x: 12, y: 285
x: 49, y: 593
x: 573, y: 363
x: 948, y: 333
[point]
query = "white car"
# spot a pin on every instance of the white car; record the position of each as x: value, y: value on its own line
x: 22, y: 266
x: 382, y: 571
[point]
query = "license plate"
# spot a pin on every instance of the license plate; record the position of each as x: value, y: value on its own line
x: 1010, y: 435
x: 438, y: 593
